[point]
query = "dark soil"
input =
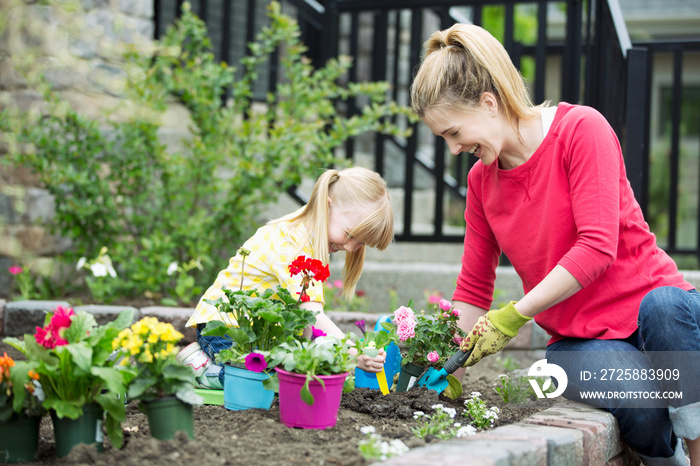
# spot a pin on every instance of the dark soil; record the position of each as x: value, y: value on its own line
x: 257, y: 437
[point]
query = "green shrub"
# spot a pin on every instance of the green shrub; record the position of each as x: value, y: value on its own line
x: 119, y: 186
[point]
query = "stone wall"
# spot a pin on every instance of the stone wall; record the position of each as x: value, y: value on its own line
x: 77, y: 46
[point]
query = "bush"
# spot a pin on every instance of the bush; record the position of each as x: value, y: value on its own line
x: 120, y: 187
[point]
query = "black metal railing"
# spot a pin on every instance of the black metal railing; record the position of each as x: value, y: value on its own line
x: 577, y: 52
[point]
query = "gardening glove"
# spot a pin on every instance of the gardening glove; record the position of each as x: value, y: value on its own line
x: 492, y: 332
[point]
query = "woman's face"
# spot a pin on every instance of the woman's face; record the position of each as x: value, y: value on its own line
x: 476, y: 131
x: 341, y: 221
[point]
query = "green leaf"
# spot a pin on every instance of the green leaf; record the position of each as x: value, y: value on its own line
x: 272, y: 384
x: 115, y: 413
x: 80, y: 354
x: 305, y: 394
x: 186, y: 394
x: 112, y: 377
x: 71, y: 409
x: 454, y: 387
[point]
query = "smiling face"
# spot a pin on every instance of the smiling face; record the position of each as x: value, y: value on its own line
x: 476, y: 131
x: 341, y: 221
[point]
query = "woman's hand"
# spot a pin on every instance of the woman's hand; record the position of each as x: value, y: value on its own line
x: 492, y: 332
x: 369, y: 364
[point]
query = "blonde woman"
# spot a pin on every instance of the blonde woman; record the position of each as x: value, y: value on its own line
x: 550, y: 191
x: 348, y: 211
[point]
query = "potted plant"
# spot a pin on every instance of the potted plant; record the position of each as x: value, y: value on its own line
x: 165, y: 388
x: 20, y: 410
x: 311, y: 375
x: 72, y: 356
x: 256, y: 322
x: 428, y: 339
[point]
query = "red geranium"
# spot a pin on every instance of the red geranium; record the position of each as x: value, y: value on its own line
x: 311, y: 269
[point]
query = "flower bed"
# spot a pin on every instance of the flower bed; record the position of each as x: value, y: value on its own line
x: 254, y: 437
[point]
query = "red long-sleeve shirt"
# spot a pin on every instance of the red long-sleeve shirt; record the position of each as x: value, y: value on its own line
x: 570, y: 204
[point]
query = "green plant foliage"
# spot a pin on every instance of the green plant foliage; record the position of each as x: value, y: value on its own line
x: 117, y: 184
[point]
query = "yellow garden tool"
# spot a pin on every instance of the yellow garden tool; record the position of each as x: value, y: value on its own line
x: 383, y: 386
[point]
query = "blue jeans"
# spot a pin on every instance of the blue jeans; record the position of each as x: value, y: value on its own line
x: 668, y: 329
x: 212, y: 346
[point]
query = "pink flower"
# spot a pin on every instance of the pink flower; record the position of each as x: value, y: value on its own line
x: 457, y: 339
x: 406, y: 330
x: 45, y: 337
x: 456, y: 312
x: 434, y: 298
x: 317, y: 332
x: 52, y: 335
x: 404, y: 314
x: 444, y: 305
x: 433, y: 356
x: 255, y: 362
x: 61, y: 318
x: 15, y: 270
x: 338, y: 283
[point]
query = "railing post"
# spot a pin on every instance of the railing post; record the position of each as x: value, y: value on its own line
x: 636, y: 123
x: 329, y: 33
x: 571, y: 72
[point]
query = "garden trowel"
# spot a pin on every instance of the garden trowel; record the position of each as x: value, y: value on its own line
x: 437, y: 379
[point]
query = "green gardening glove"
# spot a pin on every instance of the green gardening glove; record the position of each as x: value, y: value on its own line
x: 492, y: 332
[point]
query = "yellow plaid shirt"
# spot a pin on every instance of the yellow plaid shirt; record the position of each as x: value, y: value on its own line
x: 272, y: 249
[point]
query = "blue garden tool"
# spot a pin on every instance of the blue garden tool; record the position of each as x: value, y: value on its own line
x: 437, y: 379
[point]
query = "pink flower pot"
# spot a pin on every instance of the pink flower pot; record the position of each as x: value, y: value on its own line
x: 320, y: 415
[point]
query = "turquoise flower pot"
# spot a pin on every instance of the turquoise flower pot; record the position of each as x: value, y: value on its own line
x: 243, y: 389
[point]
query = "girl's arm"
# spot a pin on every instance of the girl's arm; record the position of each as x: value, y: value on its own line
x: 323, y: 322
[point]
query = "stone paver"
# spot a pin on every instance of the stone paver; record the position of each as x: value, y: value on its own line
x: 24, y: 316
x: 563, y: 446
x: 104, y: 314
x: 177, y: 316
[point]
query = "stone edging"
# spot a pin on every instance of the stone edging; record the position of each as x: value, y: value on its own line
x: 568, y: 433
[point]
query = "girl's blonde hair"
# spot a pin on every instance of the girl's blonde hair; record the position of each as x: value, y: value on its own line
x: 351, y: 188
x: 460, y: 64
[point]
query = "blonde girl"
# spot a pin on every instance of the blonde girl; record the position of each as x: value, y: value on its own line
x: 348, y: 211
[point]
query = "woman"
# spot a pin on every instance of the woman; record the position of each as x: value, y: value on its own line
x: 550, y: 191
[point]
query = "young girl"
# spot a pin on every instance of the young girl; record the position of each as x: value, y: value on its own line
x: 550, y: 192
x: 348, y: 211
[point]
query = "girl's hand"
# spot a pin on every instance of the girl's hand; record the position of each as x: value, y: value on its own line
x: 369, y: 364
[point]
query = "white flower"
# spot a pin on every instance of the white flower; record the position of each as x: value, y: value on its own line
x: 368, y: 430
x: 476, y: 394
x: 397, y: 447
x: 437, y: 406
x: 417, y: 414
x: 81, y: 263
x: 98, y: 269
x: 466, y: 430
x: 450, y: 412
x: 172, y: 268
